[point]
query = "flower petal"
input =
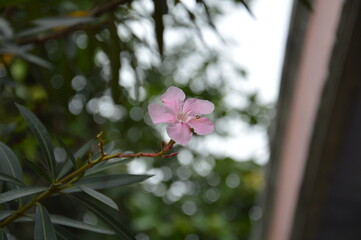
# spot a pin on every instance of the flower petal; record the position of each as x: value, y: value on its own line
x: 180, y: 133
x: 202, y: 126
x: 197, y: 106
x: 159, y: 114
x: 173, y: 99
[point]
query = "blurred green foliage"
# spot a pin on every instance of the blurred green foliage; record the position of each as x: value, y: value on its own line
x: 85, y: 66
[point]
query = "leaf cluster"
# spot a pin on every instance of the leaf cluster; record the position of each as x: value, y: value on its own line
x: 17, y: 197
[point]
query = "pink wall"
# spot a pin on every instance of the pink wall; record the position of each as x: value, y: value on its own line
x: 313, y: 70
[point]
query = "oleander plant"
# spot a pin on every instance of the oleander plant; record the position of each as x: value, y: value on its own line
x: 97, y: 137
x: 88, y: 176
x: 23, y: 203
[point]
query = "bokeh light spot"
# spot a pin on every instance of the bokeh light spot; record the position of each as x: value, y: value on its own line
x: 185, y: 157
x: 189, y: 208
x: 232, y: 180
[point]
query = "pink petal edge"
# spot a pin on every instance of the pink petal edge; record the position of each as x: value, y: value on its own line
x: 198, y: 106
x: 173, y: 98
x: 159, y: 114
x: 180, y: 133
x: 202, y: 126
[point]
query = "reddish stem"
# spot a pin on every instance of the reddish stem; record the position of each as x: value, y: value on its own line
x: 164, y: 150
x: 74, y: 176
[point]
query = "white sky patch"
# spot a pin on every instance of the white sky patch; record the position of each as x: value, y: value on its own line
x: 258, y: 45
x: 248, y: 143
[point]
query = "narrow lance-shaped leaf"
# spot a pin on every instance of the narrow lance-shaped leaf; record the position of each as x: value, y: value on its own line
x: 20, y: 192
x: 7, y: 178
x: 10, y: 166
x: 5, y: 213
x: 83, y: 150
x: 63, y: 234
x: 64, y: 221
x: 107, y: 181
x: 23, y: 53
x: 107, y: 215
x: 3, y: 235
x: 46, y: 24
x: 78, y: 154
x: 25, y: 218
x: 36, y: 60
x: 113, y: 163
x: 38, y: 169
x: 9, y: 163
x: 99, y: 196
x: 41, y: 135
x: 67, y: 150
x: 77, y: 224
x: 5, y: 29
x: 43, y: 228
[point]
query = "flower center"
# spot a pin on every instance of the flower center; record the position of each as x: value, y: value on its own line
x: 182, y: 117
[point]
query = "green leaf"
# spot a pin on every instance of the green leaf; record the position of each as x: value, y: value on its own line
x: 79, y: 154
x: 41, y: 135
x: 20, y: 192
x: 22, y: 52
x: 56, y: 219
x: 3, y: 235
x: 7, y: 178
x: 35, y: 59
x: 113, y: 163
x: 65, y: 169
x: 25, y: 218
x: 107, y: 181
x: 5, y: 29
x: 67, y: 150
x: 43, y: 228
x: 99, y: 196
x: 46, y: 24
x: 63, y: 21
x: 5, y: 213
x: 64, y: 221
x: 9, y: 163
x: 108, y: 215
x: 64, y: 234
x: 38, y: 169
x: 83, y: 150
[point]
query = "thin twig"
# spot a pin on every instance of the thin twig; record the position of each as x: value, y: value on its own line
x: 73, y: 177
x: 96, y: 12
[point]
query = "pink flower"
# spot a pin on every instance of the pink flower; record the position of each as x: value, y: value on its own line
x: 183, y: 116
